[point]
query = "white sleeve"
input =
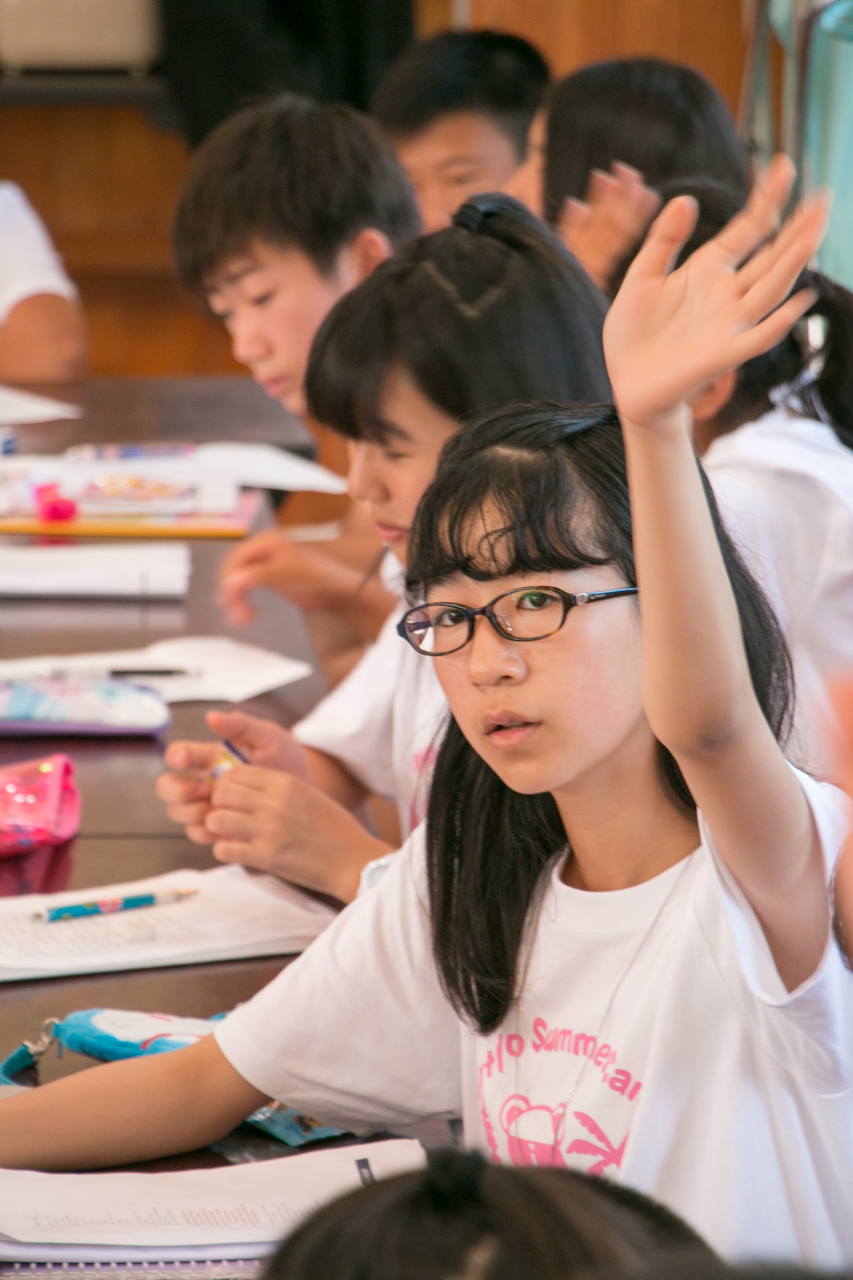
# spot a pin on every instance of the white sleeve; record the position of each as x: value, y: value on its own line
x: 357, y: 1031
x: 354, y: 723
x: 29, y: 264
x: 809, y: 1029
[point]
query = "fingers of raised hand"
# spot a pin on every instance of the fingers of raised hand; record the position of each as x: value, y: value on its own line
x: 666, y: 236
x: 760, y: 218
x: 765, y: 335
x: 769, y: 277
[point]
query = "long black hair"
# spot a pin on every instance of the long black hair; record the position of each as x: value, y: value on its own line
x: 556, y: 477
x: 491, y: 310
x: 464, y: 1217
x: 821, y: 381
x: 662, y: 117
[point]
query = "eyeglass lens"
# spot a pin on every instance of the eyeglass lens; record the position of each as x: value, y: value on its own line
x: 527, y: 614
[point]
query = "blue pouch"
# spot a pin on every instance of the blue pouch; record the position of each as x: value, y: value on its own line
x: 110, y: 1034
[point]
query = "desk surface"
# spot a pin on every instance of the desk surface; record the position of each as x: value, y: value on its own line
x: 125, y: 833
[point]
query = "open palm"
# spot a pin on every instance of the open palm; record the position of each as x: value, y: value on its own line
x: 670, y: 332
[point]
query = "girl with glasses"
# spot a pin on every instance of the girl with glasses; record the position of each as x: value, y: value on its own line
x: 612, y: 950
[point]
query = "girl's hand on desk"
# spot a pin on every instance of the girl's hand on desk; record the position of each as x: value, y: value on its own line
x: 669, y: 332
x: 187, y: 791
x: 278, y: 823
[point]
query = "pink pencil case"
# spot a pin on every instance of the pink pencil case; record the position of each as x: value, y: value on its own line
x: 39, y: 804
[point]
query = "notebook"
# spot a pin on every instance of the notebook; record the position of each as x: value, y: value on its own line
x: 233, y: 914
x: 239, y: 1212
x: 136, y: 570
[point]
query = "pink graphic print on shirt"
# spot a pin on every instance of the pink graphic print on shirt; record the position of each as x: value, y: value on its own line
x: 530, y: 1132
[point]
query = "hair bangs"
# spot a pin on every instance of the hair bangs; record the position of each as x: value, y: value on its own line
x: 515, y: 510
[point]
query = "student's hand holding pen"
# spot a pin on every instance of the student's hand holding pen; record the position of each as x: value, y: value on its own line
x: 187, y: 787
x: 281, y: 824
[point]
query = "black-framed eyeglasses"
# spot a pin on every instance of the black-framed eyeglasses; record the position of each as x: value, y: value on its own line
x: 528, y: 613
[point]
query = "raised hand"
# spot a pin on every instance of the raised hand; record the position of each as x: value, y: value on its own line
x: 669, y: 332
x: 604, y: 227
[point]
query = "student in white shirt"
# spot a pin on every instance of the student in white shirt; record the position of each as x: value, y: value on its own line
x: 612, y: 948
x: 42, y: 337
x: 776, y: 438
x: 490, y: 310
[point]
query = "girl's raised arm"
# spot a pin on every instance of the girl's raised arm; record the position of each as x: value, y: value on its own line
x: 667, y: 334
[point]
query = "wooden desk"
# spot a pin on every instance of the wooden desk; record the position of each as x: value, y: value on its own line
x: 125, y: 833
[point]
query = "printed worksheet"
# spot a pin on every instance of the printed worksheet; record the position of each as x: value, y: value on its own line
x: 241, y: 1211
x: 232, y: 913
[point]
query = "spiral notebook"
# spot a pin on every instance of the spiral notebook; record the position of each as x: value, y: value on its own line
x: 215, y: 1221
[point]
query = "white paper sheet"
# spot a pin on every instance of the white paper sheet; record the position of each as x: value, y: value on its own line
x: 131, y: 569
x: 197, y: 1213
x: 213, y: 668
x: 23, y: 406
x: 233, y: 914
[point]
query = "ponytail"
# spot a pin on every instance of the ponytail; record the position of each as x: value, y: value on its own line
x: 829, y: 395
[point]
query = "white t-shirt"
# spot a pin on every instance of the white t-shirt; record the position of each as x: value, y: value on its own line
x: 29, y: 264
x: 784, y: 485
x: 709, y: 1086
x: 384, y: 721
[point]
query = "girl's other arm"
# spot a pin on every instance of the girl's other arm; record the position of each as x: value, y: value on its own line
x: 666, y: 336
x: 128, y: 1111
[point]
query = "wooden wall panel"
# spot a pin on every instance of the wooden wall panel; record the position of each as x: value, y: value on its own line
x: 105, y: 180
x: 705, y: 33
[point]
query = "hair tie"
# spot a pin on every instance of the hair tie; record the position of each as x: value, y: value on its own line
x: 453, y: 1178
x: 474, y: 212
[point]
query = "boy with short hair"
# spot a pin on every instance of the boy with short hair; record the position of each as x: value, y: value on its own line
x: 458, y: 108
x: 287, y: 206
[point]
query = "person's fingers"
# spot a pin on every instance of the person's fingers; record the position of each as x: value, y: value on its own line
x: 668, y: 233
x: 191, y: 755
x: 238, y: 851
x: 782, y: 271
x: 198, y: 835
x: 230, y: 822
x: 626, y: 174
x: 774, y: 273
x: 248, y: 733
x: 189, y: 814
x: 179, y: 788
x: 576, y: 215
x: 247, y: 788
x: 239, y: 613
x: 764, y: 336
x: 760, y: 219
x: 602, y: 186
x: 255, y: 549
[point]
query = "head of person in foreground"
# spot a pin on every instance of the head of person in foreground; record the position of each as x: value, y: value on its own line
x: 463, y: 1219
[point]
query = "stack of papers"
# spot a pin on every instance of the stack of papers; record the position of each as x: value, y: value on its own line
x: 239, y: 1212
x: 206, y: 480
x: 137, y: 570
x: 189, y: 669
x: 233, y: 914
